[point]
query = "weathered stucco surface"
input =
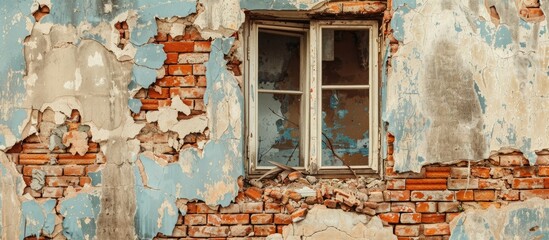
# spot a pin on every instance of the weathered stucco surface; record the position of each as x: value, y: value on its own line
x: 466, y: 86
x: 459, y: 87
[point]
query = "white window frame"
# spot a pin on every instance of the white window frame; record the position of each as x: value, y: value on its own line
x: 311, y: 88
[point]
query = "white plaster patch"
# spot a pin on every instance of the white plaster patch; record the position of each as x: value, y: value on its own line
x: 220, y: 18
x: 95, y: 60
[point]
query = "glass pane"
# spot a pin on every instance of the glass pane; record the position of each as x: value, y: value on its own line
x: 278, y: 129
x: 345, y: 57
x: 279, y: 63
x: 345, y: 127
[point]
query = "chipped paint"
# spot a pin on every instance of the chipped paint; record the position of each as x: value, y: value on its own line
x: 463, y: 101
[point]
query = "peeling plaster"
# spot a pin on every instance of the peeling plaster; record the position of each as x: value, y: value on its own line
x: 520, y: 220
x: 280, y: 4
x: 490, y: 82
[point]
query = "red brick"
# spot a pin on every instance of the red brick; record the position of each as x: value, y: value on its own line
x: 432, y: 196
x: 187, y: 92
x: 199, y: 69
x: 202, y: 46
x: 171, y: 58
x: 444, y: 207
x: 299, y: 214
x: 465, y: 195
x: 397, y: 195
x: 252, y: 207
x: 49, y: 170
x: 541, y: 193
x: 52, y: 192
x: 201, y: 81
x: 471, y: 183
x: 407, y: 230
x: 193, y: 58
x: 240, y: 230
x: 164, y: 92
x: 264, y: 230
x: 451, y: 216
x: 280, y: 228
x: 330, y: 203
x: 204, y: 208
x: 410, y: 217
x: 436, y: 229
x: 543, y: 171
x: 485, y: 195
x: 437, y: 172
x: 208, y: 231
x: 481, y: 172
x: 84, y: 180
x: 527, y: 183
x: 389, y: 217
x: 546, y: 182
x: 62, y: 181
x: 486, y: 205
x: 403, y: 207
x: 383, y: 207
x: 396, y: 184
x: 261, y: 218
x: 228, y: 219
x: 512, y: 160
x: 521, y: 172
x: 33, y: 159
x: 232, y: 208
x: 254, y: 193
x: 271, y: 207
x: 195, y: 219
x: 65, y: 159
x: 511, y: 195
x: 280, y: 218
x: 74, y: 170
x: 433, y: 217
x: 178, y: 46
x: 191, y: 33
x: 180, y: 70
x: 542, y: 159
x: 499, y: 172
x: 490, y: 184
x: 426, y: 207
x: 459, y: 172
x: 169, y: 81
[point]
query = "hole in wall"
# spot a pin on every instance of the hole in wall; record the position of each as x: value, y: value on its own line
x: 42, y: 11
x: 124, y: 33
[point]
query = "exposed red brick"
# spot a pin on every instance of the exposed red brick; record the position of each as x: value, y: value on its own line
x: 88, y: 158
x: 433, y: 218
x: 521, y: 172
x: 33, y: 159
x: 180, y: 70
x: 426, y: 207
x: 390, y: 217
x: 485, y: 195
x: 196, y: 92
x: 74, y: 170
x: 451, y: 216
x: 178, y: 46
x: 459, y: 172
x: 465, y: 195
x: 397, y: 195
x: 254, y: 193
x: 202, y: 46
x: 444, y: 207
x: 471, y: 183
x: 280, y: 218
x: 486, y: 205
x: 52, y: 192
x: 179, y: 231
x: 164, y: 92
x: 528, y: 183
x: 252, y: 207
x: 199, y: 69
x: 436, y: 229
x: 261, y: 218
x: 62, y: 181
x: 432, y: 196
x: 241, y: 230
x: 512, y: 160
x: 49, y: 170
x: 195, y: 219
x: 543, y: 171
x: 511, y: 195
x: 84, y: 180
x: 228, y: 219
x: 541, y: 193
x: 264, y: 230
x: 490, y: 183
x: 403, y: 207
x: 437, y: 172
x: 396, y: 184
x: 407, y: 230
x: 232, y: 208
x: 410, y: 217
x: 171, y: 58
x: 481, y: 172
x: 273, y: 207
x: 299, y: 214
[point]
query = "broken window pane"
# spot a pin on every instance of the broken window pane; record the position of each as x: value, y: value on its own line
x: 278, y: 129
x: 279, y: 60
x: 345, y: 57
x: 345, y: 127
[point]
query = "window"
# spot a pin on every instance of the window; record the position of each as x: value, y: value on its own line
x: 312, y: 96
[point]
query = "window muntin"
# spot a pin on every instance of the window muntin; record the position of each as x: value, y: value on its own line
x: 337, y: 104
